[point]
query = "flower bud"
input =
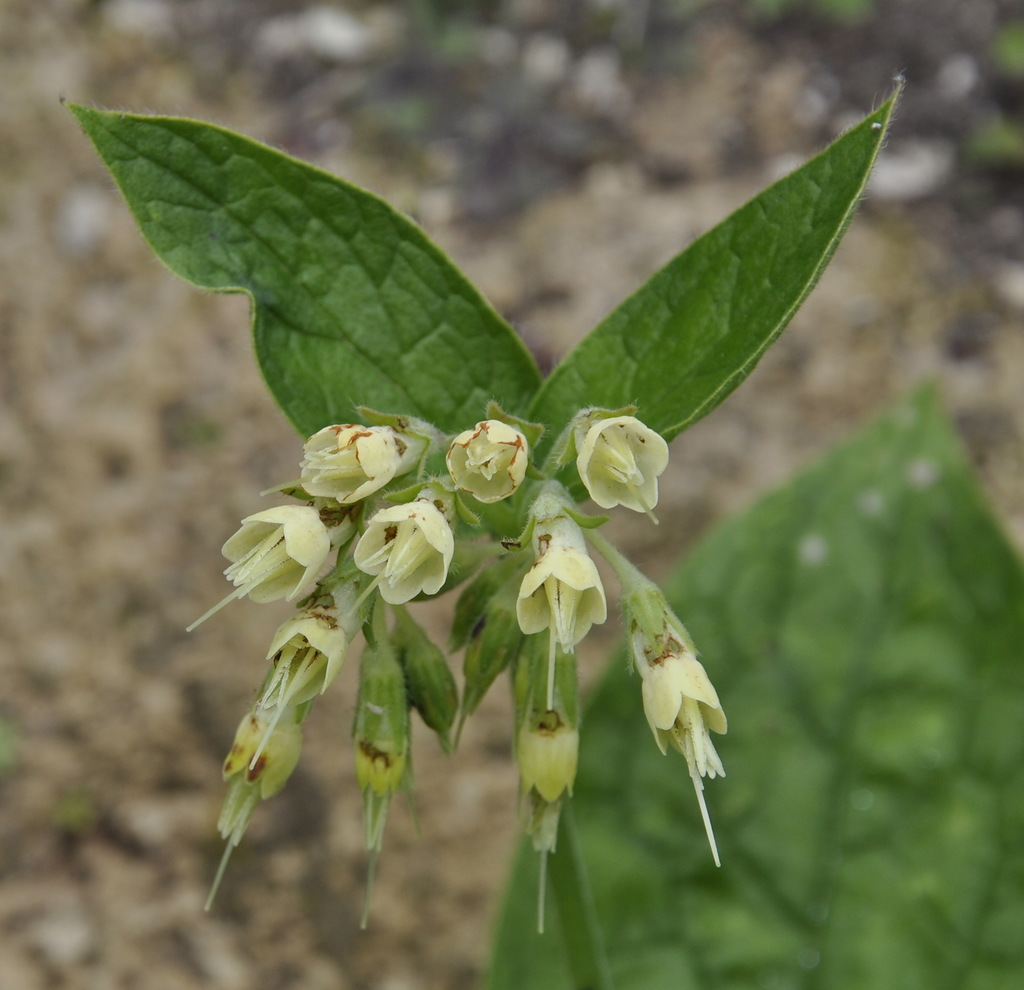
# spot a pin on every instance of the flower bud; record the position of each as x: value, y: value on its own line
x: 492, y: 646
x: 431, y: 687
x: 409, y: 547
x: 277, y: 553
x: 381, y: 728
x: 619, y: 461
x: 348, y: 463
x: 489, y: 462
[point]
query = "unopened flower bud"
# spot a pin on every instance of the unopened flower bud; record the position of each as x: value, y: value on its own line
x: 409, y: 547
x: 429, y: 681
x: 489, y: 462
x: 619, y: 460
x: 493, y: 644
x: 382, y: 723
x: 350, y: 462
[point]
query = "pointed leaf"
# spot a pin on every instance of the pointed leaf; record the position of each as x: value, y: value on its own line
x: 352, y: 304
x: 680, y: 344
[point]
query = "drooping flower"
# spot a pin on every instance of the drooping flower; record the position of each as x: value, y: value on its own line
x: 409, y: 547
x: 259, y: 763
x: 350, y: 462
x: 682, y: 708
x: 489, y: 462
x: 277, y: 553
x: 619, y: 460
x: 547, y: 750
x: 266, y: 763
x: 308, y: 650
x: 562, y: 590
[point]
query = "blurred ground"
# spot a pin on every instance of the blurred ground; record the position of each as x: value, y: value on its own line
x: 560, y: 152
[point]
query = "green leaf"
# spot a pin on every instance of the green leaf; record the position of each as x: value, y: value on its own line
x: 863, y: 627
x: 352, y: 304
x: 680, y: 344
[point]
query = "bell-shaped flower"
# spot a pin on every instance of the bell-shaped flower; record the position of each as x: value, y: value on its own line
x: 350, y: 462
x: 409, y: 548
x: 489, y: 462
x: 619, y: 460
x: 547, y: 749
x: 261, y: 760
x: 670, y: 677
x: 682, y: 709
x: 277, y: 553
x: 307, y: 651
x: 562, y: 590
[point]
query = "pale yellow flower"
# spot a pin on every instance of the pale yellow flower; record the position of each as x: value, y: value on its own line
x: 277, y: 553
x: 409, y: 547
x: 547, y: 751
x: 562, y: 590
x: 619, y: 461
x: 489, y: 462
x: 350, y: 462
x: 682, y: 709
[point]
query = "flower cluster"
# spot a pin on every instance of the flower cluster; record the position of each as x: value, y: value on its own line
x: 396, y: 511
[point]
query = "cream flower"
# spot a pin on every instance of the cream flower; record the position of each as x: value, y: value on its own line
x: 308, y: 650
x: 409, y: 547
x: 619, y: 460
x: 682, y: 708
x: 562, y: 590
x: 489, y: 462
x: 348, y: 463
x: 277, y: 553
x: 547, y: 750
x: 267, y: 760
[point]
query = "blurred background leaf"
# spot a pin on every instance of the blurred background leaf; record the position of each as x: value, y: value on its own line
x: 863, y: 627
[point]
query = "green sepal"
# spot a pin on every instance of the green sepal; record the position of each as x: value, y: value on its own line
x: 465, y: 513
x: 585, y: 521
x: 495, y: 643
x: 529, y: 429
x: 429, y: 681
x: 488, y: 587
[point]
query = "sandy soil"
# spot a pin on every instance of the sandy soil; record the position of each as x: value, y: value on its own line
x: 135, y: 431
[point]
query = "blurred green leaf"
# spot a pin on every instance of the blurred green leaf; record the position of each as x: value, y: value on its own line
x: 1008, y: 49
x: 352, y: 304
x: 680, y: 344
x: 863, y: 627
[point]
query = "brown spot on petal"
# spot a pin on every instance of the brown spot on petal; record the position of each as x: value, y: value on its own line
x: 254, y: 772
x: 549, y: 723
x: 381, y: 761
